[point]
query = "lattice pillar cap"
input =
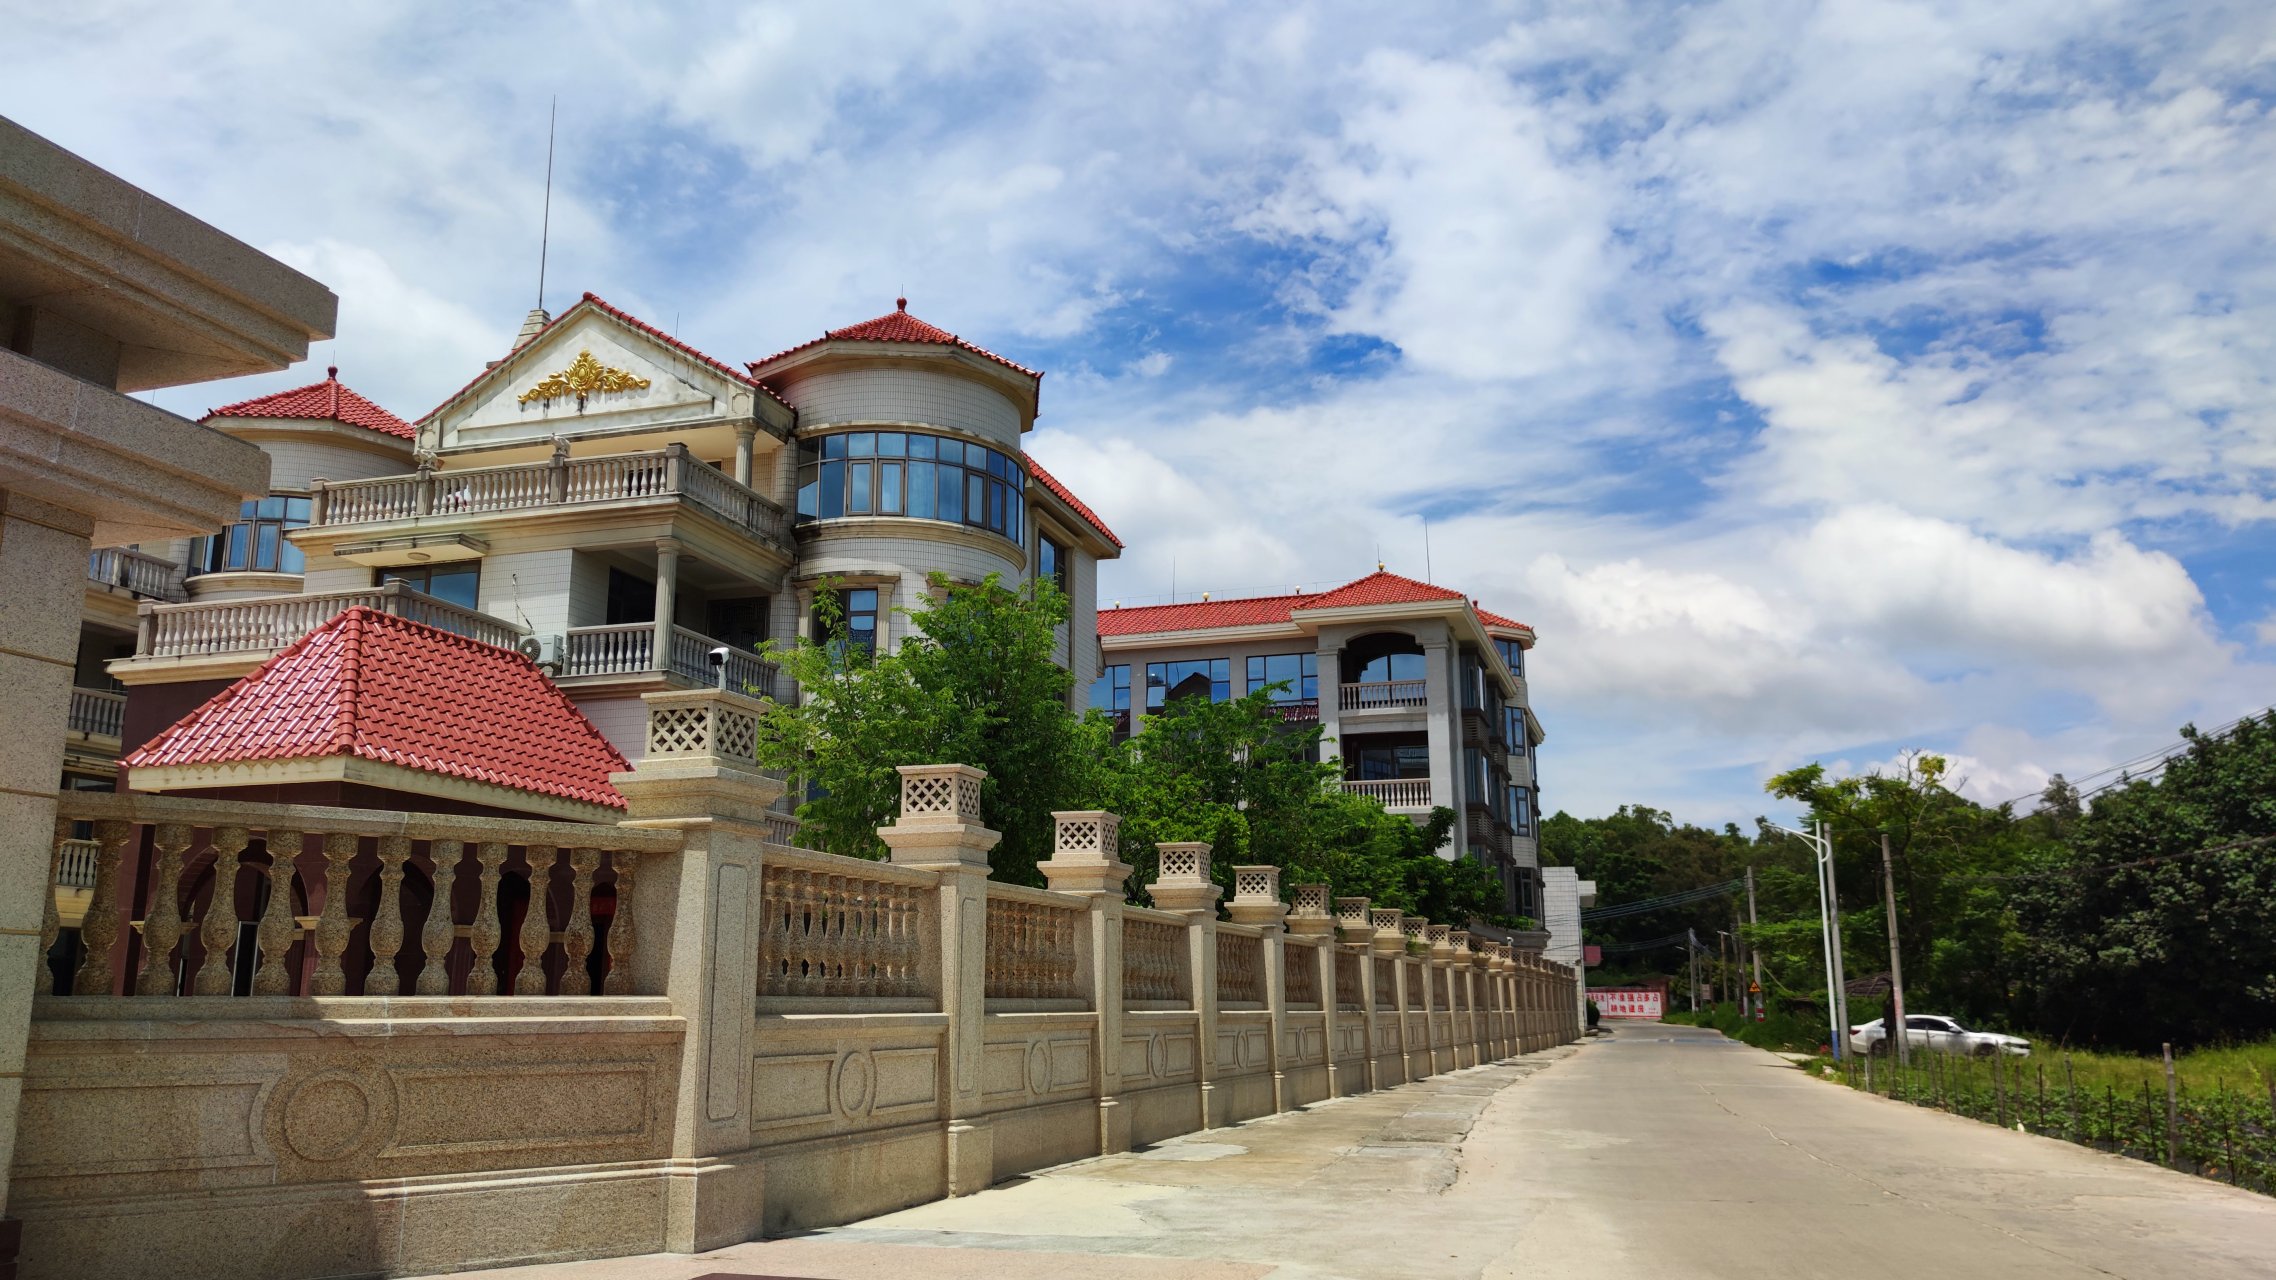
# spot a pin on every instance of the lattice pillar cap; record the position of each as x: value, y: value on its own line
x: 1183, y: 882
x: 1351, y: 920
x: 1085, y: 854
x: 698, y: 759
x: 1310, y: 916
x: 1387, y: 938
x: 1256, y: 896
x: 939, y: 823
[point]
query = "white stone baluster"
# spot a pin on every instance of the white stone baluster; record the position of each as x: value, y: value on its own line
x: 162, y: 924
x: 441, y: 932
x: 386, y: 932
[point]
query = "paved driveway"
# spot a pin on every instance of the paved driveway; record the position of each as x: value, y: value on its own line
x: 1663, y: 1152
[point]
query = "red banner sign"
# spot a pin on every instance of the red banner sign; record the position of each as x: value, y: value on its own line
x: 1620, y: 1002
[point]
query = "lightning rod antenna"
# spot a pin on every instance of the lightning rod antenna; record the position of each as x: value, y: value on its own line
x: 545, y: 226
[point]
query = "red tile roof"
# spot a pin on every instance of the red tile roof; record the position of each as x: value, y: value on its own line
x: 1492, y: 619
x: 630, y: 320
x: 1378, y: 588
x: 1067, y: 495
x: 383, y: 688
x: 325, y: 401
x: 897, y: 325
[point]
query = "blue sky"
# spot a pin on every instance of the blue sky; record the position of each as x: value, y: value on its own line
x: 1822, y: 380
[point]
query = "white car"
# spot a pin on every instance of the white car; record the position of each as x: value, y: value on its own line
x: 1939, y: 1034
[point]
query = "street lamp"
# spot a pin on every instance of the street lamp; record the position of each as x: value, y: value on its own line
x: 1821, y: 847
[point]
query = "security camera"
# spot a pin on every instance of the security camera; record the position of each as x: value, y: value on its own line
x: 718, y: 656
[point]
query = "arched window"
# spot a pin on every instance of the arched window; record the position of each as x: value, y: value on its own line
x: 1381, y: 657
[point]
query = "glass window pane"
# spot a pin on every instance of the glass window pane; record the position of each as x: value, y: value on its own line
x: 809, y: 493
x: 951, y: 494
x: 834, y: 446
x: 863, y: 600
x: 249, y: 508
x: 296, y: 511
x: 861, y: 444
x: 457, y: 583
x: 891, y: 444
x: 975, y: 498
x: 889, y: 488
x: 291, y: 559
x: 857, y: 488
x: 833, y: 489
x: 921, y: 447
x: 240, y: 536
x: 922, y: 499
x: 265, y: 551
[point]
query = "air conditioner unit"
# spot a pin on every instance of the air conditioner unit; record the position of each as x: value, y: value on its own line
x: 546, y: 651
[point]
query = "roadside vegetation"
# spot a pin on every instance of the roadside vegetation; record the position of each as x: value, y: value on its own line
x: 2217, y: 1121
x: 975, y: 682
x: 1782, y: 1030
x: 2114, y: 920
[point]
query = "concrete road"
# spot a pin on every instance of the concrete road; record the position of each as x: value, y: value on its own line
x: 1661, y: 1152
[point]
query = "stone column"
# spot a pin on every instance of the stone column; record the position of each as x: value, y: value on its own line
x: 1085, y: 860
x: 1310, y: 919
x: 1184, y: 886
x: 698, y: 919
x: 1355, y: 935
x: 1328, y: 661
x: 939, y: 830
x: 667, y: 600
x: 43, y: 571
x: 1440, y: 672
x: 1388, y: 943
x: 745, y: 433
x: 1256, y: 901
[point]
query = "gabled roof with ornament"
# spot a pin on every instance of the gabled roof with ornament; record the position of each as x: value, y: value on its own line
x: 326, y: 401
x: 1067, y: 495
x: 898, y: 326
x: 1376, y: 590
x: 595, y: 303
x: 377, y: 687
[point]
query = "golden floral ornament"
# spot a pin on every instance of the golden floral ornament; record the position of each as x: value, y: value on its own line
x: 585, y: 376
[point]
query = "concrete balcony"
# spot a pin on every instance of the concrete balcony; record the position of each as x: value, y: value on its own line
x: 223, y: 639
x: 145, y: 577
x: 1399, y: 795
x: 1385, y: 695
x: 97, y: 713
x: 630, y: 650
x: 661, y: 481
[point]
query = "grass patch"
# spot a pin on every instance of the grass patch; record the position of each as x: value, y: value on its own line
x: 1780, y: 1030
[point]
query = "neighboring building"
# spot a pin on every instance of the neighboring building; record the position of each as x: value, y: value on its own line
x: 104, y: 290
x: 619, y: 506
x: 1564, y: 895
x: 1421, y: 694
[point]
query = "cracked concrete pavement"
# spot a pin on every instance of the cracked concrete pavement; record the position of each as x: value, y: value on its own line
x: 1658, y: 1152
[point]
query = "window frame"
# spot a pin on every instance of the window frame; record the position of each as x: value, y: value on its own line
x: 236, y: 547
x: 875, y: 474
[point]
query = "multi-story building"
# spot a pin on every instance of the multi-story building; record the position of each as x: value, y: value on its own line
x: 621, y: 507
x: 1417, y: 690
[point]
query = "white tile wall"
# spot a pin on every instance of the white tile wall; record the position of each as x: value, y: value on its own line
x: 293, y: 463
x: 904, y: 395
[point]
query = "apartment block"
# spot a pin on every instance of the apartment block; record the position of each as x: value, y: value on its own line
x: 1418, y: 691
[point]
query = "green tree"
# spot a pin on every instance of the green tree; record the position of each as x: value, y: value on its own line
x: 974, y: 683
x: 2131, y: 932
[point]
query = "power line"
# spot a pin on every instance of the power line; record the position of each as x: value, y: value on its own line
x: 2154, y: 860
x: 1680, y: 898
x: 2163, y: 755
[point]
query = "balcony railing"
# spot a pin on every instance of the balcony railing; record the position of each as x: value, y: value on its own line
x: 135, y: 573
x: 1393, y: 793
x: 272, y: 622
x: 1385, y: 693
x: 630, y: 648
x: 98, y: 713
x: 75, y: 863
x: 562, y: 482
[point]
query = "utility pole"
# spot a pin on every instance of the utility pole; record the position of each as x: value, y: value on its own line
x: 1756, y: 952
x: 1896, y: 1033
x: 1833, y: 925
x: 1691, y: 949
